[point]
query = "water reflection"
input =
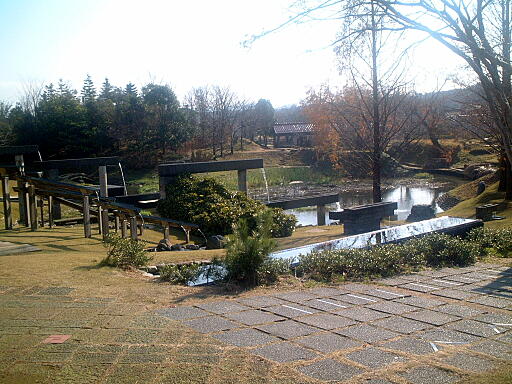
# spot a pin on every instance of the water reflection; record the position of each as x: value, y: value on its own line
x: 405, y: 196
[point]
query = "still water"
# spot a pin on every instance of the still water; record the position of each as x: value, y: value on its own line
x: 405, y: 196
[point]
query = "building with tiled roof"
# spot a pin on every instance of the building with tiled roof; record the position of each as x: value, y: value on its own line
x: 293, y: 134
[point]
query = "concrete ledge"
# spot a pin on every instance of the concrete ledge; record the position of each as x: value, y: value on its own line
x: 305, y: 201
x: 170, y: 170
x: 77, y: 163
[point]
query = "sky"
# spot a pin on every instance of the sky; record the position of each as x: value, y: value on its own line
x: 186, y: 44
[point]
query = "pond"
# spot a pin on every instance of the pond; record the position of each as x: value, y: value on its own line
x: 405, y: 196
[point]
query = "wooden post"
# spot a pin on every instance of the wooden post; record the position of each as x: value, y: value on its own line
x: 50, y: 211
x: 53, y: 174
x: 116, y: 221
x: 100, y: 219
x: 133, y: 227
x: 242, y: 180
x: 41, y: 206
x: 320, y: 214
x: 87, y: 217
x: 104, y: 193
x: 32, y: 207
x: 124, y: 227
x: 166, y: 230
x: 7, y: 202
x: 22, y: 201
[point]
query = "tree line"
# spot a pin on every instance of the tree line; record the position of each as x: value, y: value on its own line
x: 143, y: 126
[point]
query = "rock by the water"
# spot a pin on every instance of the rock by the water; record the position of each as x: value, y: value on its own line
x: 481, y: 188
x: 421, y: 212
x: 215, y: 242
x: 192, y: 247
x: 164, y: 245
x: 177, y: 247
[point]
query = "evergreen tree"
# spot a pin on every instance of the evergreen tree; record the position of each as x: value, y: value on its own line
x: 88, y: 90
x: 107, y: 90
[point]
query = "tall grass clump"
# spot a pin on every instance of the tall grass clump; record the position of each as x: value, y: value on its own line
x: 124, y: 253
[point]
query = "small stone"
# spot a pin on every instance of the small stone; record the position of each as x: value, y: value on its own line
x: 215, y: 242
x: 192, y: 247
x: 421, y: 212
x: 177, y: 247
x: 164, y: 245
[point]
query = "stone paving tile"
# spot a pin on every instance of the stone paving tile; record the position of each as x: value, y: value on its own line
x: 210, y: 324
x: 494, y: 348
x: 392, y: 307
x: 506, y: 338
x: 469, y: 363
x: 357, y: 298
x: 460, y: 279
x: 376, y: 381
x: 459, y: 310
x: 291, y: 310
x: 221, y: 307
x: 394, y: 281
x: 415, y: 277
x: 253, y: 317
x: 444, y: 283
x: 330, y: 370
x: 399, y: 324
x: 328, y: 342
x: 182, y: 313
x: 447, y: 337
x: 375, y: 358
x: 284, y: 352
x: 296, y: 297
x: 327, y: 304
x: 362, y: 314
x: 429, y: 375
x: 474, y: 328
x: 492, y: 301
x: 326, y: 321
x: 412, y: 345
x: 356, y: 287
x: 245, y: 337
x: 437, y: 272
x: 431, y: 317
x: 420, y: 287
x: 261, y: 301
x: 454, y: 294
x: 367, y: 333
x: 327, y: 292
x: 288, y: 329
x: 384, y: 294
x: 419, y: 302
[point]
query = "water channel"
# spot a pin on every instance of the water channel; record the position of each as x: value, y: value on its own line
x: 405, y: 196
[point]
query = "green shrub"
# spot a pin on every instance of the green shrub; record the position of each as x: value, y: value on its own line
x: 179, y: 274
x: 270, y: 270
x: 248, y: 249
x: 492, y: 241
x: 215, y: 209
x: 283, y: 224
x: 124, y: 253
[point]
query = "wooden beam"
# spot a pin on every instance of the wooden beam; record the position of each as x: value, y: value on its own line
x: 133, y: 227
x: 7, y: 202
x: 51, y: 217
x: 32, y: 207
x: 87, y: 217
x: 320, y: 215
x: 242, y: 180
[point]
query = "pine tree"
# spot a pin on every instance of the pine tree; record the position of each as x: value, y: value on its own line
x: 131, y: 89
x: 107, y: 90
x: 88, y: 90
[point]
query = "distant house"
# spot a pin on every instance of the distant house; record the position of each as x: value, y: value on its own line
x: 293, y: 134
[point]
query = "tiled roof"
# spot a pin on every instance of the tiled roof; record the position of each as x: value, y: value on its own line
x: 281, y: 128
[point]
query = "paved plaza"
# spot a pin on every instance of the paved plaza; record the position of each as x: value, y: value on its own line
x: 436, y: 326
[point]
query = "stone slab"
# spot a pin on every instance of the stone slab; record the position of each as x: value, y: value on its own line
x: 326, y: 321
x: 399, y: 324
x: 429, y: 375
x: 328, y: 342
x: 494, y: 348
x: 253, y: 317
x: 357, y: 299
x: 210, y: 324
x: 366, y: 333
x: 362, y: 314
x: 385, y: 294
x: 444, y: 283
x: 469, y: 363
x: 182, y: 313
x: 459, y: 310
x: 291, y: 310
x: 431, y: 317
x: 327, y: 304
x: 492, y: 301
x: 261, y: 301
x: 392, y: 307
x: 412, y: 345
x: 447, y: 337
x: 284, y: 352
x: 394, y: 281
x: 327, y: 291
x: 330, y: 370
x: 501, y: 319
x: 246, y: 337
x: 375, y: 358
x: 454, y: 294
x: 420, y: 302
x: 288, y: 329
x: 296, y: 297
x: 474, y: 328
x: 419, y: 287
x: 221, y: 307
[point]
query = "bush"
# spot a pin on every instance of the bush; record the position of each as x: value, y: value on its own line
x: 125, y: 253
x: 179, y: 274
x: 492, y: 241
x: 270, y: 270
x: 215, y: 209
x: 248, y: 249
x: 436, y: 250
